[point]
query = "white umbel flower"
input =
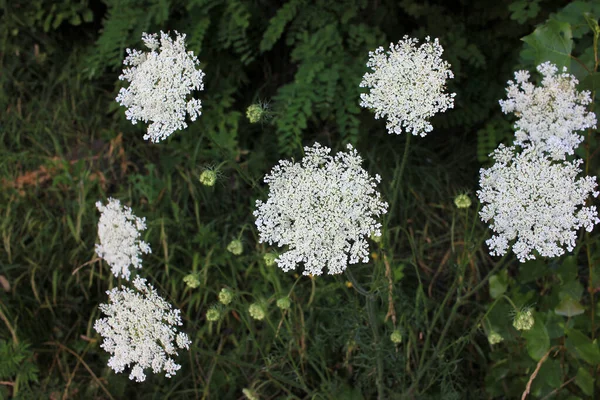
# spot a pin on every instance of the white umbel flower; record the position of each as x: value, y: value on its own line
x: 160, y: 82
x: 322, y: 209
x: 407, y: 85
x: 535, y: 201
x: 549, y: 115
x: 139, y: 331
x: 119, y: 233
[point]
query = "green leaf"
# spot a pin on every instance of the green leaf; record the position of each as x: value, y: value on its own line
x: 498, y: 284
x: 569, y: 307
x: 591, y: 82
x: 551, y: 373
x: 538, y: 341
x: 552, y: 42
x: 582, y: 347
x: 568, y: 269
x: 585, y: 381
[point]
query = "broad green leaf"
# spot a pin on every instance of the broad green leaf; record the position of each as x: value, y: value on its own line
x: 569, y: 307
x: 498, y: 284
x: 538, y: 341
x: 532, y: 270
x: 568, y: 269
x: 551, y: 373
x: 591, y: 82
x: 585, y: 381
x: 582, y: 347
x: 552, y: 42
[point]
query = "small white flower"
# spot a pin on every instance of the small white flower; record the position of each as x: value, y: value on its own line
x: 407, y: 85
x: 535, y: 201
x: 160, y: 82
x: 139, y: 331
x: 549, y: 115
x: 119, y: 232
x: 322, y: 209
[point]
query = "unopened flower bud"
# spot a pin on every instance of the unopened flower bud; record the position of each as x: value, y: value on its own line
x: 235, y: 247
x: 256, y: 311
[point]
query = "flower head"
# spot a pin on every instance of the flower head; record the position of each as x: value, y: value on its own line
x: 537, y: 202
x: 396, y: 337
x: 119, y: 232
x: 407, y: 85
x: 139, y: 331
x: 257, y: 311
x: 494, y: 337
x: 213, y: 314
x: 208, y: 177
x: 322, y: 209
x: 270, y: 259
x: 523, y: 320
x: 235, y: 247
x: 160, y: 82
x: 283, y: 303
x: 462, y: 201
x: 225, y: 296
x: 192, y: 281
x: 549, y: 115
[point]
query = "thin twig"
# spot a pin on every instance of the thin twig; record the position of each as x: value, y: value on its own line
x: 388, y: 273
x: 537, y: 369
x: 98, y: 381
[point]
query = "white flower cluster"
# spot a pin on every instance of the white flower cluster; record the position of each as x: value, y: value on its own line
x: 549, y: 115
x: 407, y: 85
x: 159, y: 85
x: 536, y: 201
x: 322, y: 209
x: 139, y: 330
x: 119, y: 232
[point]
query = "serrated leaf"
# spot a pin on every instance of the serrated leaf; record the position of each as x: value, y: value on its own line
x: 538, y: 341
x: 585, y: 381
x: 552, y: 42
x: 582, y: 347
x: 569, y: 307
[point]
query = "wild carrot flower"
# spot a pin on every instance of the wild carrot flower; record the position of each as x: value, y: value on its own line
x: 322, y: 209
x: 160, y: 82
x: 407, y: 85
x: 549, y: 115
x: 225, y: 296
x: 139, y: 331
x: 536, y: 202
x: 119, y: 232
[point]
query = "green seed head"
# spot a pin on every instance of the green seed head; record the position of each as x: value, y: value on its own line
x: 250, y: 394
x: 225, y: 296
x: 256, y: 311
x: 523, y: 320
x: 494, y: 337
x: 396, y: 337
x: 255, y: 113
x: 208, y: 177
x: 284, y: 303
x: 235, y: 247
x: 270, y: 259
x: 192, y: 281
x: 213, y: 315
x: 462, y: 201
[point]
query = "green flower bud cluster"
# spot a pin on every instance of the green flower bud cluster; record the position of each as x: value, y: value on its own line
x: 235, y: 247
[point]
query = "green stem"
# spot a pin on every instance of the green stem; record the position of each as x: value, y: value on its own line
x: 370, y: 306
